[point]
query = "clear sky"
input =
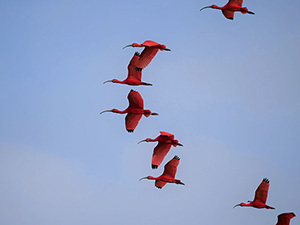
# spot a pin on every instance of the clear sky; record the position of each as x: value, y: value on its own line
x: 228, y: 90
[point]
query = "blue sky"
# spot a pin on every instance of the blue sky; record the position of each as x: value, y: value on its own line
x: 228, y: 90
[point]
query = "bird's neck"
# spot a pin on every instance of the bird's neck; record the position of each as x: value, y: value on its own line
x: 152, y: 178
x: 119, y: 111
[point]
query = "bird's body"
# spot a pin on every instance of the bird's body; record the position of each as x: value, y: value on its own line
x: 284, y: 218
x: 134, y: 73
x: 150, y: 50
x: 165, y: 141
x: 135, y: 110
x: 261, y: 195
x: 168, y: 175
x: 230, y: 8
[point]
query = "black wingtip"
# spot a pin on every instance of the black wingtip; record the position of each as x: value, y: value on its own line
x: 266, y: 180
x: 154, y: 166
x: 293, y: 214
x: 158, y: 187
x: 176, y: 157
x: 130, y: 131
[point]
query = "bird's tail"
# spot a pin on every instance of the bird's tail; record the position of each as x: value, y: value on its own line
x: 244, y: 10
x: 147, y: 113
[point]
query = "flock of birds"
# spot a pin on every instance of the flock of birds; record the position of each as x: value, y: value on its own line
x: 165, y: 140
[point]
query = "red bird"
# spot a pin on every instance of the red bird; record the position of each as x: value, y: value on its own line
x: 284, y: 218
x: 165, y: 141
x: 135, y: 110
x: 169, y: 174
x: 260, y: 198
x: 150, y: 50
x: 134, y: 73
x: 231, y: 7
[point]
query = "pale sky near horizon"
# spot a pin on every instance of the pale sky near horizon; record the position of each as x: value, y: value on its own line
x: 228, y: 90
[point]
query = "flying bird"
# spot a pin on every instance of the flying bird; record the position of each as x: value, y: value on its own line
x: 135, y: 110
x: 169, y: 174
x: 284, y: 218
x: 134, y: 73
x: 150, y: 50
x: 260, y: 198
x: 165, y: 141
x: 231, y: 7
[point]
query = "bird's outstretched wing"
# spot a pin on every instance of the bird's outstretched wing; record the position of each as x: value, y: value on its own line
x: 149, y: 43
x: 228, y: 14
x: 284, y: 218
x: 134, y: 73
x: 132, y: 120
x: 146, y: 56
x: 236, y: 2
x: 261, y: 193
x: 167, y: 134
x: 135, y: 100
x: 159, y: 153
x: 159, y: 184
x: 171, y: 167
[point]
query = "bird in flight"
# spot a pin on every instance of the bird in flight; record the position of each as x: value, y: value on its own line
x: 231, y: 7
x: 165, y: 141
x: 150, y: 50
x: 284, y: 218
x: 260, y: 198
x: 168, y: 175
x: 134, y: 73
x: 135, y: 110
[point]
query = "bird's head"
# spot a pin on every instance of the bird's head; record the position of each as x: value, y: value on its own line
x: 110, y: 110
x: 113, y: 81
x: 212, y: 6
x: 146, y: 140
x: 133, y: 45
x: 241, y: 204
x: 148, y: 177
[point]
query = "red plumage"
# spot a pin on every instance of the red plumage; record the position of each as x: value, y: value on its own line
x: 230, y: 8
x: 165, y: 141
x: 168, y: 175
x: 134, y: 111
x: 284, y: 218
x: 150, y: 50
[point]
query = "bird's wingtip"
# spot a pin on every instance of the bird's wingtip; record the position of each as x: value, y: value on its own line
x: 154, y: 166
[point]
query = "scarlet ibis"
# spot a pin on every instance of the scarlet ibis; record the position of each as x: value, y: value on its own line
x: 165, y: 141
x: 284, y: 218
x: 168, y: 175
x: 231, y: 7
x: 260, y: 198
x: 135, y: 110
x: 134, y: 73
x: 150, y: 50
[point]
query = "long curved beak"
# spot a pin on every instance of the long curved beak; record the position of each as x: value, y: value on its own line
x: 105, y: 111
x: 107, y: 81
x: 127, y: 46
x: 142, y: 178
x: 179, y: 144
x: 142, y: 141
x: 154, y: 114
x: 206, y: 7
x: 236, y: 205
x: 167, y: 49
